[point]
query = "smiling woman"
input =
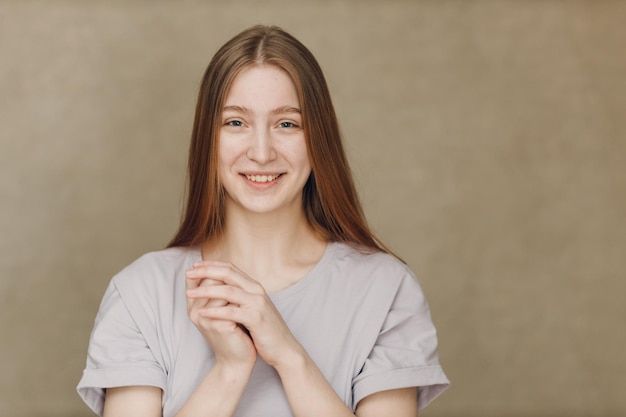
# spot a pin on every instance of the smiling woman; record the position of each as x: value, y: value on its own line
x: 263, y: 157
x: 274, y: 297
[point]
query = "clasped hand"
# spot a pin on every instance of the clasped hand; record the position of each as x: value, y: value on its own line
x: 220, y: 300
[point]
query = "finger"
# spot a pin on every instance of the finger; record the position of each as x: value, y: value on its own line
x: 195, y: 303
x: 227, y: 293
x: 198, y: 303
x: 228, y: 274
x: 214, y: 270
x: 230, y: 312
x: 206, y: 282
x: 210, y: 262
x: 194, y: 280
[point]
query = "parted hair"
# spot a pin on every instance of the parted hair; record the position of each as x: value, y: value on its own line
x: 330, y: 201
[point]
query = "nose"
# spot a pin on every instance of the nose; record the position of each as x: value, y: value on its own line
x: 261, y: 149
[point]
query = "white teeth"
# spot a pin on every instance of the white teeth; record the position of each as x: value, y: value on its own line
x: 261, y: 178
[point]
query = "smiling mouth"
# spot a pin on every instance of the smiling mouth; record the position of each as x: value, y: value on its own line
x: 262, y: 178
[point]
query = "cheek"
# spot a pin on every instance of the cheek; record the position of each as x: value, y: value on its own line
x: 300, y: 154
x: 298, y: 160
x: 227, y: 157
x: 306, y: 161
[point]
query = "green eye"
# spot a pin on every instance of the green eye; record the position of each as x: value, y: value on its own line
x: 287, y: 124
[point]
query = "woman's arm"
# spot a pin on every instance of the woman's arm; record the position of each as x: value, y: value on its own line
x: 308, y: 392
x: 137, y: 401
x: 216, y: 396
x: 219, y: 392
x: 310, y: 395
x: 395, y: 402
x: 221, y: 389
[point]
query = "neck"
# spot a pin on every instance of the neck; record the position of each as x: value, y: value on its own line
x: 275, y: 249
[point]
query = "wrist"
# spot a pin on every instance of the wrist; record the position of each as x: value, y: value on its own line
x: 219, y: 392
x: 293, y: 363
x: 233, y: 372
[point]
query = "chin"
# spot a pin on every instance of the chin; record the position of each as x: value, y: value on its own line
x: 269, y: 208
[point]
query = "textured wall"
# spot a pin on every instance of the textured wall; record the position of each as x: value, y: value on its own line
x: 488, y: 139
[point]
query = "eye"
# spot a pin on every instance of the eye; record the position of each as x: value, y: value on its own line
x: 234, y: 123
x: 287, y: 124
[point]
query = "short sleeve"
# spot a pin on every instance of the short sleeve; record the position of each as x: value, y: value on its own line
x: 118, y: 353
x: 405, y: 353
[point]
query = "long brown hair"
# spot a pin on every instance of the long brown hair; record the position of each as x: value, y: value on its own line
x: 330, y: 201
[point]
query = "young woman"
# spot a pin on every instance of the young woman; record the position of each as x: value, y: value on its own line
x: 274, y: 298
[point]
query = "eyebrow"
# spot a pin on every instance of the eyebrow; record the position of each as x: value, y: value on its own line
x: 278, y: 110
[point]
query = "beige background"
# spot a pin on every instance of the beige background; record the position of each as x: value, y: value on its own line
x: 488, y: 139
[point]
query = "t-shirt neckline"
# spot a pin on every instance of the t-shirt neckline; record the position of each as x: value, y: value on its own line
x: 297, y: 286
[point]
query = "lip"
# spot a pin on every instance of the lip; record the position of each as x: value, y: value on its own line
x: 261, y: 173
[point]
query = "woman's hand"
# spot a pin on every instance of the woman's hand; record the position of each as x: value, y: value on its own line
x: 233, y: 297
x: 231, y: 344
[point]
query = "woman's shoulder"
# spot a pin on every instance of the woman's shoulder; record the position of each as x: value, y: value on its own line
x: 373, y: 280
x: 158, y: 266
x: 369, y: 264
x: 353, y: 255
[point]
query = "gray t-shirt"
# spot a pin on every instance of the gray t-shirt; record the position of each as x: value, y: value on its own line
x: 362, y: 318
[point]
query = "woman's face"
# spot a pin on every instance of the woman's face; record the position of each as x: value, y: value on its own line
x: 263, y: 159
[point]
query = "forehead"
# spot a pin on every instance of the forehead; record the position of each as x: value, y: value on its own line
x: 262, y: 86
